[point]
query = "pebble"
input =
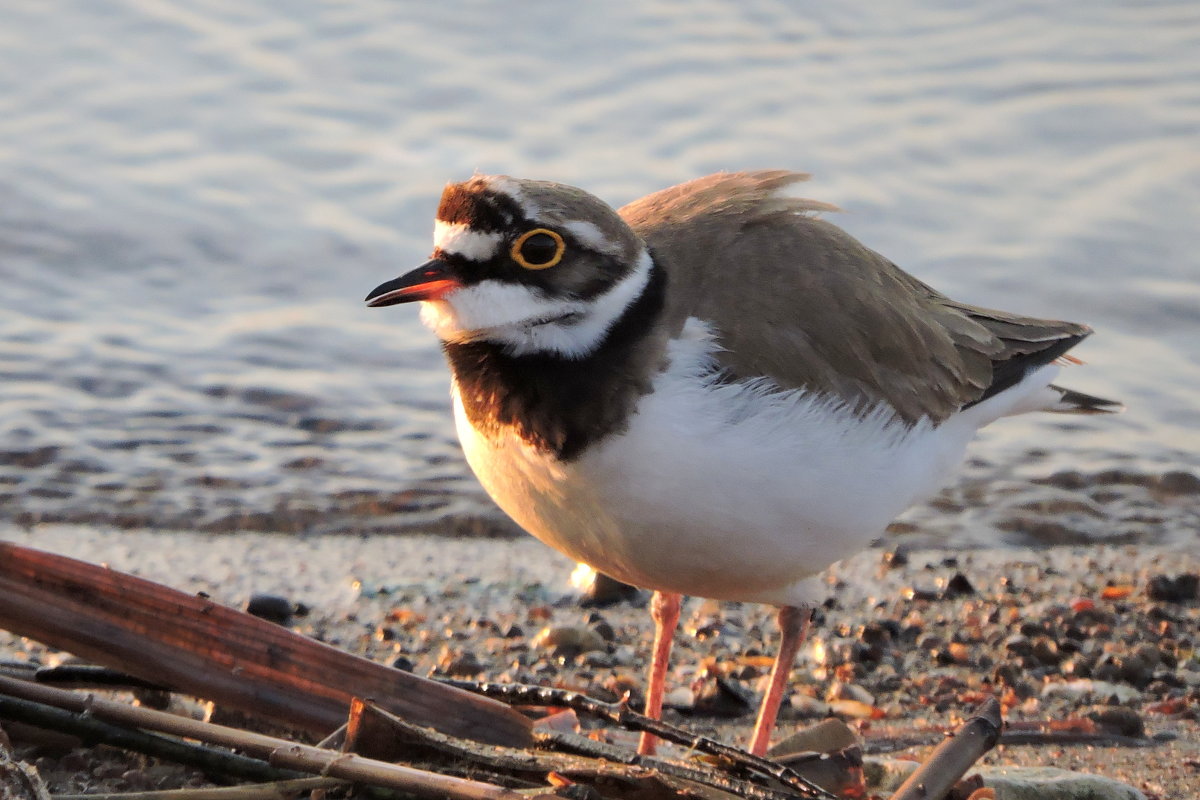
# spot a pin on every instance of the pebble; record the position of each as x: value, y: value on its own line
x: 568, y: 641
x: 271, y: 607
x: 716, y: 696
x: 849, y: 691
x: 460, y: 665
x: 1121, y: 720
x: 958, y: 586
x: 1180, y: 589
x: 826, y: 736
x: 1049, y: 606
x: 1101, y: 691
x: 1051, y: 783
x: 681, y: 698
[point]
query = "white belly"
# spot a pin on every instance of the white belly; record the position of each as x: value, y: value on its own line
x: 720, y: 490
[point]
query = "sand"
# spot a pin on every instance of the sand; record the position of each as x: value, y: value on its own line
x: 484, y: 600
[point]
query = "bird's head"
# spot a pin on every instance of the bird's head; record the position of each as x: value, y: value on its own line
x: 533, y: 266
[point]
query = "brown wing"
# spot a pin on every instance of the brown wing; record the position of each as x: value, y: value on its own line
x: 797, y: 299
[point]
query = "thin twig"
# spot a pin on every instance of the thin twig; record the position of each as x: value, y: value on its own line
x: 621, y: 715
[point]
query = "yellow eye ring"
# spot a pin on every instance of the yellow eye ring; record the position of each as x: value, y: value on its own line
x: 538, y: 255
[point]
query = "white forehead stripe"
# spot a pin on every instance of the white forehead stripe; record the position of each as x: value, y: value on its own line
x: 459, y: 239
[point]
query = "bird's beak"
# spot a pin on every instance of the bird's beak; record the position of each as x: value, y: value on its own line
x: 430, y: 281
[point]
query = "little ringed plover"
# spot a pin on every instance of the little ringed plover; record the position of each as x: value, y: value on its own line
x: 711, y: 391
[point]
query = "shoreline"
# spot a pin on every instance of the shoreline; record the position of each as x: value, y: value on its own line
x: 474, y: 607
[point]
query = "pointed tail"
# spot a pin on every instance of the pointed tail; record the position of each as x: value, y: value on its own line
x: 1072, y: 402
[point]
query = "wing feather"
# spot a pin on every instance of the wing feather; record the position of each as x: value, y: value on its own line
x: 794, y: 298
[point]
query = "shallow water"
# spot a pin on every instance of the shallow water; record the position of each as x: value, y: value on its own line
x: 195, y: 197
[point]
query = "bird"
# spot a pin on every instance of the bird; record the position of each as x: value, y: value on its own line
x: 712, y: 391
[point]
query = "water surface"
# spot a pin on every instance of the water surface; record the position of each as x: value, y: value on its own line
x: 195, y: 197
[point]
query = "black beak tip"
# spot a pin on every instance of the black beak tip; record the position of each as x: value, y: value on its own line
x: 388, y: 293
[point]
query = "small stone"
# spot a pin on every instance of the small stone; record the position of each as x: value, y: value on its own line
x: 722, y: 698
x: 1046, y: 651
x: 1018, y: 645
x: 1051, y: 783
x: 954, y: 653
x: 804, y: 706
x: 680, y: 698
x: 826, y: 736
x: 958, y: 586
x: 849, y: 691
x: 1180, y: 589
x: 1121, y: 720
x: 920, y: 595
x: 271, y: 607
x: 604, y: 630
x: 568, y: 641
x: 460, y: 665
x: 854, y: 709
x: 1098, y: 691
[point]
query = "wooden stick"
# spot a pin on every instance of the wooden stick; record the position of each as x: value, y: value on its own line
x: 278, y: 790
x: 194, y: 645
x: 280, y: 752
x: 92, y: 730
x: 952, y: 758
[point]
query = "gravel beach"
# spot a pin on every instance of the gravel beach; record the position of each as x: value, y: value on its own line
x: 909, y: 641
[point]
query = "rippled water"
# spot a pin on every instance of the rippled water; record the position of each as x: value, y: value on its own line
x: 195, y: 197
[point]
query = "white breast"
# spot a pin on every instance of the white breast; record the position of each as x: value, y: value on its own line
x: 733, y: 491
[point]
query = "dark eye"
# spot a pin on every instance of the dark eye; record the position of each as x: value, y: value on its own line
x: 539, y: 248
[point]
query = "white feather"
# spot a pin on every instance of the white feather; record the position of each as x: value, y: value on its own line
x: 590, y: 234
x: 460, y: 239
x: 512, y: 188
x: 736, y: 491
x: 525, y: 320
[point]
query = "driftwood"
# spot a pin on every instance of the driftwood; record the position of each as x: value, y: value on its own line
x: 190, y: 644
x: 951, y: 759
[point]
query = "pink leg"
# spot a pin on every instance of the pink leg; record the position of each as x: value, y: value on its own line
x: 793, y: 624
x: 664, y: 609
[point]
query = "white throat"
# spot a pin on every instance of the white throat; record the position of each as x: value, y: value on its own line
x: 524, y: 320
